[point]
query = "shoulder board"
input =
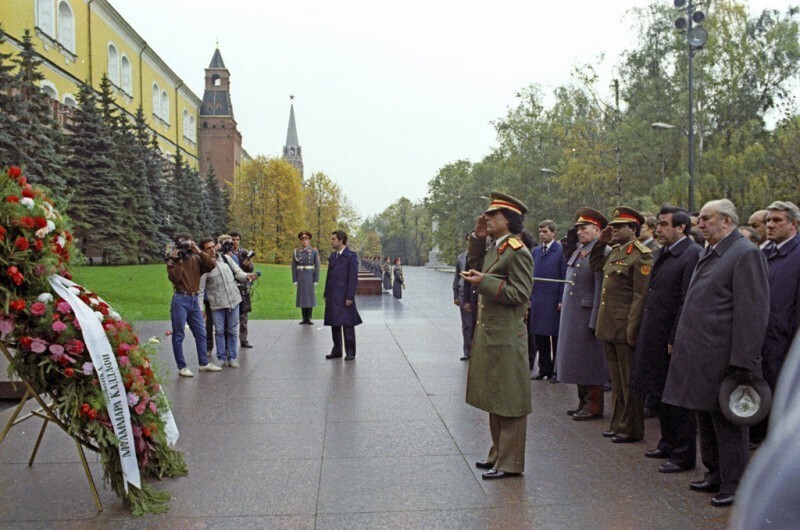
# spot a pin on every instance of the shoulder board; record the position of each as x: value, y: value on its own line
x: 642, y: 247
x: 515, y: 243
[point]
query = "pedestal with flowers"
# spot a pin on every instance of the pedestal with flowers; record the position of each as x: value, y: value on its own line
x: 77, y: 357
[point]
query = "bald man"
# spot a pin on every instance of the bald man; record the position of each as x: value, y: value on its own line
x: 758, y: 222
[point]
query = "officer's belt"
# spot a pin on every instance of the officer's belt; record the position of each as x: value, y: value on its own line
x: 306, y: 267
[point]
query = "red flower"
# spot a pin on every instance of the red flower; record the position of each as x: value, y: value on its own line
x: 21, y: 243
x: 14, y: 172
x: 40, y: 222
x: 146, y: 431
x: 22, y: 181
x: 28, y: 192
x: 27, y: 222
x: 37, y: 245
x: 69, y: 372
x: 92, y: 414
x: 74, y: 346
x: 17, y: 305
x: 25, y: 342
x: 2, y: 233
x: 85, y: 408
x: 12, y: 198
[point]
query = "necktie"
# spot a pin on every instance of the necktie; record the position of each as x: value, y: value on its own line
x: 544, y: 249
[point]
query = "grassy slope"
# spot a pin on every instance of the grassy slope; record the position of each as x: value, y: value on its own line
x: 143, y: 292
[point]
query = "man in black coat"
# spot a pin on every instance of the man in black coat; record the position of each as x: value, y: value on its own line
x: 672, y: 271
x: 340, y: 297
x: 720, y: 332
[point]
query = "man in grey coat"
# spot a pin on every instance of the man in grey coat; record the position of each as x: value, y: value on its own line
x: 305, y: 276
x: 720, y: 332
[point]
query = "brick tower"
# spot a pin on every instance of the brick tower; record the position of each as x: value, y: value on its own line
x: 219, y: 141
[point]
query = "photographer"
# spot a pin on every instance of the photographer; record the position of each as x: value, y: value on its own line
x: 220, y: 286
x: 185, y: 265
x: 243, y: 259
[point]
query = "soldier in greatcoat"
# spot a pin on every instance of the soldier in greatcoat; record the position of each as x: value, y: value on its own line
x: 305, y: 276
x: 626, y: 275
x: 499, y: 378
x: 581, y: 360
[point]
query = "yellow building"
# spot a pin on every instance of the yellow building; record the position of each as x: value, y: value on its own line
x: 81, y: 40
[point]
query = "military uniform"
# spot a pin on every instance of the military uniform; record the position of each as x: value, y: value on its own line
x: 305, y: 274
x: 626, y: 275
x: 499, y: 379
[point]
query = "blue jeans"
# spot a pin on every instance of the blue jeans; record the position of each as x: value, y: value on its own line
x: 226, y: 332
x: 186, y: 308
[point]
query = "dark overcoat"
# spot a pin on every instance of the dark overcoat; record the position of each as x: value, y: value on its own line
x: 340, y: 285
x: 545, y: 297
x: 581, y: 359
x: 669, y: 281
x: 387, y: 276
x: 784, y: 305
x: 722, y: 323
x: 499, y: 378
x: 399, y: 282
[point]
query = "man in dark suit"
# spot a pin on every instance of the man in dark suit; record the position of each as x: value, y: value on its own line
x: 548, y: 264
x: 672, y: 271
x: 340, y: 297
x: 720, y: 331
x: 783, y: 263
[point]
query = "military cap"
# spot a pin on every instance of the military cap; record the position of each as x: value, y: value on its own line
x: 304, y: 233
x: 501, y: 200
x: 624, y: 215
x: 587, y: 216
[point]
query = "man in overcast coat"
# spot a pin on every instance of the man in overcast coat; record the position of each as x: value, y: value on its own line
x: 340, y: 297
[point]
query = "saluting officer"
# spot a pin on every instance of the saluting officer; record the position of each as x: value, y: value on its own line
x: 499, y: 379
x: 305, y: 275
x: 626, y: 276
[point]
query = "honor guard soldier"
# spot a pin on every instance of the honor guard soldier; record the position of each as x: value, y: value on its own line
x: 626, y: 276
x: 305, y: 275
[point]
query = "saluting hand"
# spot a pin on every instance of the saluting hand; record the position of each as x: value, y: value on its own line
x: 605, y: 235
x: 480, y: 226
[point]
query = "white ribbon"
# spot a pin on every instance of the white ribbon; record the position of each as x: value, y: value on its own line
x: 108, y: 373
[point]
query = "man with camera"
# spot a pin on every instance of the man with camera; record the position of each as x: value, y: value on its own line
x: 220, y: 286
x: 186, y: 263
x: 243, y: 259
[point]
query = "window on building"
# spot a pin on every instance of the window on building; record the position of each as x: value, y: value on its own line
x: 164, y: 106
x: 113, y: 64
x: 70, y: 102
x: 44, y: 17
x: 66, y: 26
x: 156, y: 101
x: 50, y: 91
x: 185, y: 124
x: 127, y: 85
x: 192, y: 129
x: 216, y: 80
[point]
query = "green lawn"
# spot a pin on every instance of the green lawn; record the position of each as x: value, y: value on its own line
x: 143, y: 292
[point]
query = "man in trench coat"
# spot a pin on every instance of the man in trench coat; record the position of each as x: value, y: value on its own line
x: 499, y: 379
x: 720, y: 332
x: 340, y: 297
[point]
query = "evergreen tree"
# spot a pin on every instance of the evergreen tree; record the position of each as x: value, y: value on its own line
x: 95, y: 207
x: 187, y: 213
x: 156, y: 201
x: 8, y: 109
x: 37, y: 140
x: 216, y: 203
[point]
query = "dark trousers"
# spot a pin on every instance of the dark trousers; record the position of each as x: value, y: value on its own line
x: 243, y: 328
x: 349, y: 333
x: 724, y: 449
x: 306, y: 312
x: 546, y: 348
x: 466, y: 329
x: 628, y: 415
x: 209, y: 328
x: 678, y: 434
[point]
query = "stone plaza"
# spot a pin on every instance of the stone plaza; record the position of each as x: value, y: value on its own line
x: 291, y: 440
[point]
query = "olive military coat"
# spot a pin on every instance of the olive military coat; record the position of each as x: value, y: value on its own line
x: 499, y: 375
x: 626, y: 275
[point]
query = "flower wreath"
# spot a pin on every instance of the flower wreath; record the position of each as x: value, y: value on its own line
x: 43, y: 321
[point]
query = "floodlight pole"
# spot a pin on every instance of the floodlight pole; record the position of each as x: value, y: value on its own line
x: 691, y: 111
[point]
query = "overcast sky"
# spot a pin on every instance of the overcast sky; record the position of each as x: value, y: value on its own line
x: 385, y: 93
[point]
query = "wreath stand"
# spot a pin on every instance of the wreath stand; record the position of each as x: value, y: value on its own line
x: 45, y: 412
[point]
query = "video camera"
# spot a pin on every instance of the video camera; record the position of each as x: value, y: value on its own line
x: 183, y: 246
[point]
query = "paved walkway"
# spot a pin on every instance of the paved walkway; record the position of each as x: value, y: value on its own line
x: 291, y: 440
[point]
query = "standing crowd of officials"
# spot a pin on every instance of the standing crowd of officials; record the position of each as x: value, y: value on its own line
x: 635, y: 301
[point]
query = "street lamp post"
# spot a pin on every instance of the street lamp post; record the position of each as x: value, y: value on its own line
x: 696, y: 36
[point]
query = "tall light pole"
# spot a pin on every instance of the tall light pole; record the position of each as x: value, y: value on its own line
x: 696, y: 37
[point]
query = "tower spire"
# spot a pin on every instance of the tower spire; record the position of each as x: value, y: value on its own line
x: 292, y: 152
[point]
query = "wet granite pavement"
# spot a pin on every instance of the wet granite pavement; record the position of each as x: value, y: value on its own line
x: 291, y: 440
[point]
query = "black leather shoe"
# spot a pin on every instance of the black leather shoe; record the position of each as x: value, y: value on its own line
x: 572, y: 412
x: 704, y: 486
x: 332, y: 356
x: 538, y: 377
x: 609, y: 434
x: 465, y: 358
x: 349, y: 357
x: 553, y: 379
x: 722, y: 499
x: 496, y: 474
x: 586, y: 416
x: 656, y: 453
x: 246, y: 345
x: 484, y: 464
x: 670, y: 467
x: 624, y: 439
x: 309, y: 323
x: 650, y: 413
